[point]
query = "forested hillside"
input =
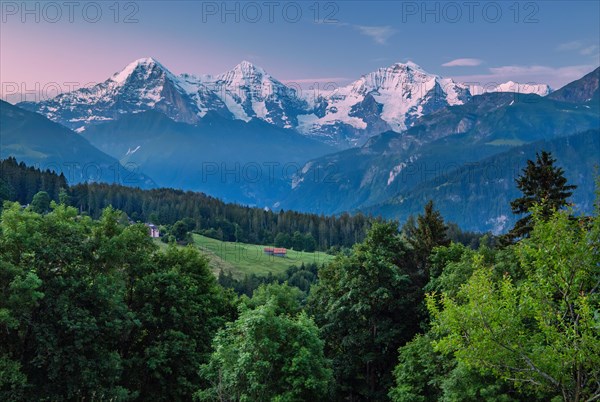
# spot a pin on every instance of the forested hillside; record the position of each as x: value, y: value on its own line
x: 230, y: 222
x: 93, y: 309
x: 202, y: 213
x: 480, y: 194
x: 19, y: 182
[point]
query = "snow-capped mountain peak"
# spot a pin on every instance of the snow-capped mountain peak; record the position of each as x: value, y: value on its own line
x: 412, y: 65
x: 247, y: 68
x: 249, y: 92
x: 146, y: 64
x: 144, y: 84
x: 388, y: 98
x: 247, y: 74
x: 409, y: 65
x: 397, y: 77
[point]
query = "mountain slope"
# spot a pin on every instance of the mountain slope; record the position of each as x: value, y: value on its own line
x: 478, y: 197
x: 35, y: 140
x: 238, y: 161
x: 585, y: 89
x: 393, y: 163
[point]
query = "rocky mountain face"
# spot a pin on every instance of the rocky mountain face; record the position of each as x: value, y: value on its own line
x: 582, y: 90
x: 248, y: 91
x: 390, y: 98
x: 142, y: 85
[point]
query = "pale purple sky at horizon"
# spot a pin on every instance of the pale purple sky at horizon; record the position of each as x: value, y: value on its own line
x: 541, y: 42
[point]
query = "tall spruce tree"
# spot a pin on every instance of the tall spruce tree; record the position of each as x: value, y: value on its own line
x: 541, y: 183
x: 429, y: 231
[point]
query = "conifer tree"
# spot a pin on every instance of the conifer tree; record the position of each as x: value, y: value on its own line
x: 543, y: 183
x: 428, y: 232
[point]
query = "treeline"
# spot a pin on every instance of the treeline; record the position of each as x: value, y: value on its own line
x: 230, y: 222
x: 19, y: 182
x: 199, y: 213
x: 209, y: 216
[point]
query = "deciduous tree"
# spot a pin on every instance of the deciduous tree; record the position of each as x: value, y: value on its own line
x: 267, y: 355
x: 541, y: 332
x: 365, y: 305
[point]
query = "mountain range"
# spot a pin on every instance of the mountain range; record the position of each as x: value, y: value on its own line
x: 390, y: 98
x: 391, y: 166
x: 382, y: 144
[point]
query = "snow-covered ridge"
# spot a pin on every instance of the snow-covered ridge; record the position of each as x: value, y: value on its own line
x: 391, y: 97
x: 511, y: 86
x: 248, y: 91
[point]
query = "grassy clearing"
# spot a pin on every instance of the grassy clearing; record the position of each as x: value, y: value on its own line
x: 242, y: 258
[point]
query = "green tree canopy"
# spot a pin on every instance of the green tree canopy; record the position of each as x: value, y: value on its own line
x: 366, y: 307
x: 41, y: 202
x: 266, y: 356
x: 285, y: 299
x: 179, y: 230
x: 92, y: 310
x: 283, y: 240
x: 542, y: 331
x: 429, y: 231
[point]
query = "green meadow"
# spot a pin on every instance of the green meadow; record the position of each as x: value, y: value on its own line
x: 242, y: 258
